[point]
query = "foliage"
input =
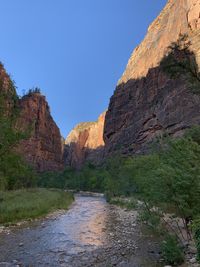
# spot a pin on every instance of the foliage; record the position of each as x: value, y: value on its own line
x: 35, y: 90
x: 152, y: 219
x: 194, y: 134
x: 168, y: 179
x: 171, y: 251
x: 31, y: 203
x: 196, y: 231
x: 90, y: 178
x: 180, y: 61
x: 14, y: 172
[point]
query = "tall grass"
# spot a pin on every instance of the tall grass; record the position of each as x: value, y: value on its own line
x: 31, y: 203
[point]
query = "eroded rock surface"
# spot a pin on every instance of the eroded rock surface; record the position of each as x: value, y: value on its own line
x: 44, y: 148
x: 85, y: 143
x: 146, y: 102
x: 7, y: 93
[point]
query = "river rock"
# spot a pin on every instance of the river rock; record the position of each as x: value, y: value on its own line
x: 193, y: 260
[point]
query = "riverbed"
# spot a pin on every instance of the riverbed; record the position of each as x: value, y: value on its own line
x: 91, y: 233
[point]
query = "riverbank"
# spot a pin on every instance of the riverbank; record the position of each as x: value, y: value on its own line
x: 188, y: 249
x: 91, y: 233
x: 28, y: 204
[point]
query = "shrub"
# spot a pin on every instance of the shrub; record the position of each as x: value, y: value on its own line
x: 196, y: 231
x: 171, y: 251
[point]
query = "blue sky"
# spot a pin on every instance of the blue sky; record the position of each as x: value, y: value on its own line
x: 74, y: 50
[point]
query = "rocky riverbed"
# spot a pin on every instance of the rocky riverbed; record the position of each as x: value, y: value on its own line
x: 91, y: 233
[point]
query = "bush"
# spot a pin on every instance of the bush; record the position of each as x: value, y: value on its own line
x: 14, y: 172
x: 196, y: 231
x: 168, y: 179
x: 89, y: 178
x: 171, y: 251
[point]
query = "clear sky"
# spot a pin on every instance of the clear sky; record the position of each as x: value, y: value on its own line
x: 74, y: 50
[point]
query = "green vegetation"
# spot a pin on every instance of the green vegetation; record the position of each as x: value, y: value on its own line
x: 31, y: 203
x: 166, y: 181
x: 89, y: 178
x: 171, y: 251
x: 14, y: 172
x: 196, y: 231
x: 180, y: 61
x: 35, y: 90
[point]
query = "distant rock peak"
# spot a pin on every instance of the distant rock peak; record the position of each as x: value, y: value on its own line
x: 85, y: 143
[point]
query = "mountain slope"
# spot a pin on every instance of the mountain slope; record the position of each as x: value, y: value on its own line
x: 147, y: 102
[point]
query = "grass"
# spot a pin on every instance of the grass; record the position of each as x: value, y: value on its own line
x: 31, y: 203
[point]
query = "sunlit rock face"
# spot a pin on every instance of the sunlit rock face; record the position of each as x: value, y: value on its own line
x: 8, y: 96
x: 85, y: 143
x: 43, y: 149
x: 178, y: 16
x: 146, y: 102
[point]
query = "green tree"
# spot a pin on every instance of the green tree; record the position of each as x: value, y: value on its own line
x: 180, y: 61
x: 14, y: 172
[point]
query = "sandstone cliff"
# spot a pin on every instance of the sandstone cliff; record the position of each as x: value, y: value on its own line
x: 8, y: 96
x: 43, y: 149
x: 85, y: 143
x: 147, y: 102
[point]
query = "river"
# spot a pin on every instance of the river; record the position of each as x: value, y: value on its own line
x: 91, y: 233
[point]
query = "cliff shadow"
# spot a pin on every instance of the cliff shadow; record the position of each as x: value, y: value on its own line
x: 166, y: 100
x: 76, y: 156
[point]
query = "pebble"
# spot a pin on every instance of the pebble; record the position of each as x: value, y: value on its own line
x: 192, y: 249
x: 193, y: 260
x: 122, y: 244
x: 5, y: 264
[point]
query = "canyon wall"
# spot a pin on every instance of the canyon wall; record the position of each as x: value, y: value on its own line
x: 85, y: 143
x: 8, y: 95
x: 43, y: 149
x: 43, y: 146
x: 147, y: 102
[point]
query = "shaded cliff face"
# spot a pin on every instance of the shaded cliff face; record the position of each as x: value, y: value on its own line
x: 43, y: 149
x: 146, y: 102
x: 85, y: 143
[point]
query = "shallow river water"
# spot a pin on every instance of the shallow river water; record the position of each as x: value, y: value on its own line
x: 90, y: 233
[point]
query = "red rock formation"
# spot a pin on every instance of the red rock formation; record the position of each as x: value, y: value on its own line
x: 43, y: 149
x: 85, y: 143
x: 147, y: 102
x: 8, y: 94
